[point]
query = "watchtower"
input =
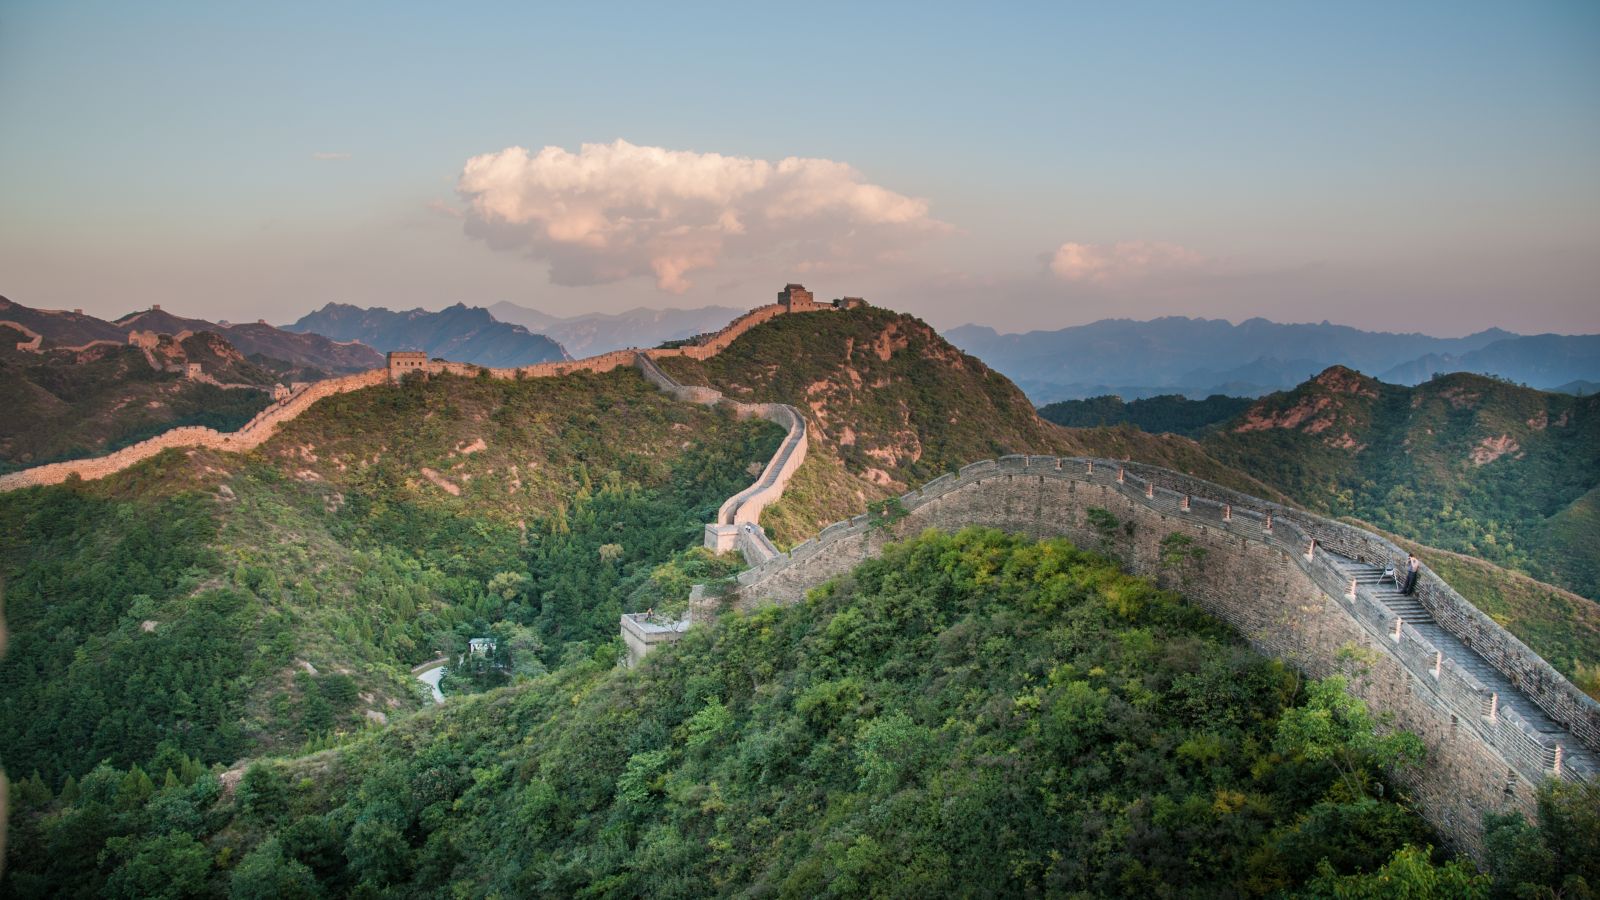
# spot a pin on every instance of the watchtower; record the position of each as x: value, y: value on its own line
x: 402, y: 362
x: 795, y: 298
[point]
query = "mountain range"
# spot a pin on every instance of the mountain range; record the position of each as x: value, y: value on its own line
x: 210, y: 685
x: 595, y: 333
x: 300, y: 357
x: 460, y: 333
x: 1201, y: 357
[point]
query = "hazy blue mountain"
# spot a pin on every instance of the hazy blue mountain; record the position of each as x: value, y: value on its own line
x: 1539, y: 359
x: 1200, y: 357
x: 594, y: 333
x: 460, y: 333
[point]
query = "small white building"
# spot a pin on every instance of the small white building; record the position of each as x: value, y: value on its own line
x: 480, y: 647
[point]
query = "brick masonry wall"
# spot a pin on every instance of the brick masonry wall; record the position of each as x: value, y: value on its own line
x: 1256, y: 579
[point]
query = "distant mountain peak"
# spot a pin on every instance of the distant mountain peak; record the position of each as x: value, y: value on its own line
x: 458, y: 332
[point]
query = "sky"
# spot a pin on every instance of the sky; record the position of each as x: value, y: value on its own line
x: 1425, y: 167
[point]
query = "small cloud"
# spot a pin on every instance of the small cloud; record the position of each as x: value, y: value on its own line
x: 444, y: 209
x: 1122, y: 261
x: 614, y: 211
x: 330, y: 156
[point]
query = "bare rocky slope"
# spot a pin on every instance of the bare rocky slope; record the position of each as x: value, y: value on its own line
x: 291, y: 355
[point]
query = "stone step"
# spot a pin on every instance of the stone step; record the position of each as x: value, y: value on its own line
x: 1411, y: 611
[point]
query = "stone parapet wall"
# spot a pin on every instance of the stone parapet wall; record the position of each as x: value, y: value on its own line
x: 738, y: 519
x: 747, y: 505
x: 1554, y: 694
x: 719, y: 341
x: 1258, y: 576
x: 652, y: 373
x: 30, y: 345
x: 642, y: 633
x: 267, y: 421
x: 251, y: 435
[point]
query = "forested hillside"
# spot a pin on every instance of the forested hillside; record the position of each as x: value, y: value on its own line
x: 212, y: 606
x: 1166, y: 414
x: 970, y: 714
x: 1463, y: 462
x: 890, y: 405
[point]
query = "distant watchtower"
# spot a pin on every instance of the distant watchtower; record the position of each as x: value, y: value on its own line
x: 795, y: 298
x: 849, y: 303
x: 403, y: 361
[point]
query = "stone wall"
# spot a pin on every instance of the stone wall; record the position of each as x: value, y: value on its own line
x: 1258, y: 577
x: 251, y: 435
x: 744, y: 509
x: 746, y: 506
x: 642, y: 633
x: 1526, y: 669
x: 30, y: 345
x: 719, y: 342
x: 267, y: 421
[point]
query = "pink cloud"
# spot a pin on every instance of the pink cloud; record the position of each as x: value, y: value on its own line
x: 614, y: 211
x: 1122, y: 261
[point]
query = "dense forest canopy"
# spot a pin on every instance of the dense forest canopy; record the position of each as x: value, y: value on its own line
x: 1168, y: 413
x: 970, y: 714
x: 217, y: 607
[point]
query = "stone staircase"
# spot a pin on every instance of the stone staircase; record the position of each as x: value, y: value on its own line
x: 1371, y: 581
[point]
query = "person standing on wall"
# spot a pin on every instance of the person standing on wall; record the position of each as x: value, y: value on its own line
x: 1413, y: 568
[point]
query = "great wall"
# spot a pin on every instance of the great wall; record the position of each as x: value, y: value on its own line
x: 1495, y: 717
x: 793, y: 299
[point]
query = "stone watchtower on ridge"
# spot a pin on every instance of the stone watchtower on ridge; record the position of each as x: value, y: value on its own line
x: 403, y: 361
x: 795, y: 298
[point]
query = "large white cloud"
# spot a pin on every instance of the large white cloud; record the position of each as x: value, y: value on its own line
x: 1122, y: 261
x: 615, y: 211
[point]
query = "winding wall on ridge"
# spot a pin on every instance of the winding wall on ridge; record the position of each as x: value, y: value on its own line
x: 266, y: 423
x: 1288, y: 598
x: 251, y: 435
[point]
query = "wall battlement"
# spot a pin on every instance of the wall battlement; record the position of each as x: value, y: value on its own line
x: 1492, y: 735
x: 401, y: 363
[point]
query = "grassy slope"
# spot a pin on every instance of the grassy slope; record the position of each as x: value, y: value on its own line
x: 328, y: 546
x: 1169, y: 413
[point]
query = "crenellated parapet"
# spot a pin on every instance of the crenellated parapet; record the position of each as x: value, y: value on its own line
x: 1496, y: 718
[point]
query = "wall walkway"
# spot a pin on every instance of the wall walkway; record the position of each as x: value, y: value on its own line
x: 1496, y: 718
x: 266, y: 423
